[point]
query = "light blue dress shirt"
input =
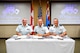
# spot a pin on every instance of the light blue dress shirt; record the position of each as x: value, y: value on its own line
x: 58, y: 30
x: 24, y: 30
x: 41, y: 30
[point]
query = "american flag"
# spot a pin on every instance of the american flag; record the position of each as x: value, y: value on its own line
x: 39, y: 12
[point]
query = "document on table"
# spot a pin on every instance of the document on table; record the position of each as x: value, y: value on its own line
x: 25, y: 37
x: 35, y: 36
x: 57, y: 37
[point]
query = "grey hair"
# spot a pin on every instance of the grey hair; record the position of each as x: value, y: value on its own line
x: 55, y: 19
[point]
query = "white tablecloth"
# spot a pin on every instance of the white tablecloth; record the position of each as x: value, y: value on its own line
x: 40, y: 46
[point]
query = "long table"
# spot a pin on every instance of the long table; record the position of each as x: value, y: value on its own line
x: 40, y: 46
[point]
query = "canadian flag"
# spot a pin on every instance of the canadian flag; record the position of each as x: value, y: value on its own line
x: 32, y: 16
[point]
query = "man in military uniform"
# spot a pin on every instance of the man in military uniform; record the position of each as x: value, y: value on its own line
x: 24, y: 28
x: 41, y: 30
x: 57, y: 29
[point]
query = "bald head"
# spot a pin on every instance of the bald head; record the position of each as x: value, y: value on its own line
x: 24, y: 21
x: 40, y: 22
x: 55, y: 21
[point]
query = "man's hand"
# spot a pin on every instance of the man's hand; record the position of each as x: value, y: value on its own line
x: 39, y: 34
x: 28, y: 34
x: 62, y: 35
x: 54, y: 34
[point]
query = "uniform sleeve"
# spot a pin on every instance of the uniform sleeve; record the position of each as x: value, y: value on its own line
x: 63, y: 29
x: 46, y: 30
x: 31, y: 29
x: 35, y: 28
x: 17, y: 29
x: 51, y: 29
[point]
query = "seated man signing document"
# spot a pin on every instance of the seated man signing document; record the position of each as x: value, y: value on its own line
x: 24, y: 28
x: 41, y: 30
x: 57, y: 29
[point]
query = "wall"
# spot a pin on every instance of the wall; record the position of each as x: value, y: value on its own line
x: 73, y: 30
x: 9, y: 30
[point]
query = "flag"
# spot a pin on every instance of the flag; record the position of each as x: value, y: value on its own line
x: 47, y: 14
x: 32, y: 16
x: 39, y: 12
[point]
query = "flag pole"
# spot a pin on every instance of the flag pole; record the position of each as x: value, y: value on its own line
x: 40, y: 3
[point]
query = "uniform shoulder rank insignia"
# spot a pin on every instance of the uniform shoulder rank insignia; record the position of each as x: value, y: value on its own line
x: 48, y: 24
x: 29, y: 25
x: 60, y: 24
x: 51, y: 25
x: 44, y: 25
x: 20, y: 24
